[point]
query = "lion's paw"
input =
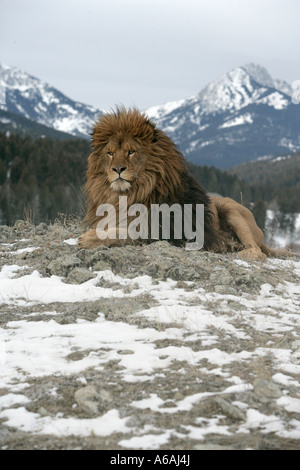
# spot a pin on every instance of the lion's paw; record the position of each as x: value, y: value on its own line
x: 252, y: 254
x: 89, y: 240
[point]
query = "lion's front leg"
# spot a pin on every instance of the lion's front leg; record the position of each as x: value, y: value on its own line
x: 90, y: 240
x: 93, y: 238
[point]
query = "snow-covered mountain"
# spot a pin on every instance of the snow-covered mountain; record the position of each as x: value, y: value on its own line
x: 22, y: 94
x: 241, y: 116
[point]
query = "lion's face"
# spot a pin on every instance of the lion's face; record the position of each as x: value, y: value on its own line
x: 123, y: 163
x: 131, y: 157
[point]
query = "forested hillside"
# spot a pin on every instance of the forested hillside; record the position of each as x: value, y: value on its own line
x: 13, y: 123
x: 275, y: 178
x: 44, y: 177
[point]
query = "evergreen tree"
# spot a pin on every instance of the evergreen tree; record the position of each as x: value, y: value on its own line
x: 259, y: 211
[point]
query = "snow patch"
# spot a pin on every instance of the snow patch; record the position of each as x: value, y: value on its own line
x: 276, y: 100
x: 238, y: 121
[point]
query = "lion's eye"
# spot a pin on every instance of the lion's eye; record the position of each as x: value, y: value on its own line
x: 131, y: 152
x: 110, y: 154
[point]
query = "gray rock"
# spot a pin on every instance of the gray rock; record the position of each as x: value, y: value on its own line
x: 63, y: 265
x: 43, y: 412
x: 41, y: 228
x: 221, y: 277
x: 5, y: 234
x: 230, y: 410
x: 224, y: 289
x: 102, y: 266
x: 248, y: 280
x: 168, y: 404
x: 185, y: 273
x: 79, y: 275
x: 92, y: 400
x: 266, y: 389
x: 296, y: 345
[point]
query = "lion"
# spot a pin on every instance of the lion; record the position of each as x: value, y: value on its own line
x: 132, y: 157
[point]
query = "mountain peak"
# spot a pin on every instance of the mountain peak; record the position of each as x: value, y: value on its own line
x: 12, y: 77
x: 23, y: 94
x: 240, y: 116
x: 259, y: 74
x: 240, y: 87
x: 231, y: 91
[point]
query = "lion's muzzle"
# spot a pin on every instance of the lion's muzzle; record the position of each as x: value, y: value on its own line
x: 120, y: 184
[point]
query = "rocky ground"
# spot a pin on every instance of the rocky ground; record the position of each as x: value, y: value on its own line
x: 144, y: 347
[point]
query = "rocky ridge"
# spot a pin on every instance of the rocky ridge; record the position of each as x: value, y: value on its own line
x: 144, y: 347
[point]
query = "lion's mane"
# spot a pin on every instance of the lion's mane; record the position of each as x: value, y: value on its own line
x: 165, y: 177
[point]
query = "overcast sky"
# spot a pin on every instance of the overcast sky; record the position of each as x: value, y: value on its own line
x: 146, y: 52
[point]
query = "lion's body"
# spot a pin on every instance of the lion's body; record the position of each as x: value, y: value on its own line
x: 132, y: 157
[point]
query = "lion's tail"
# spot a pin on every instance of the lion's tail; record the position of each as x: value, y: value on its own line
x: 274, y: 252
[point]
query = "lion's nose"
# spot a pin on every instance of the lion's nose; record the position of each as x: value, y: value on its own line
x: 119, y: 169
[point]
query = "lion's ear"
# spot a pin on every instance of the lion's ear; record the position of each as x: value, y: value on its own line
x: 99, y: 137
x: 147, y: 131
